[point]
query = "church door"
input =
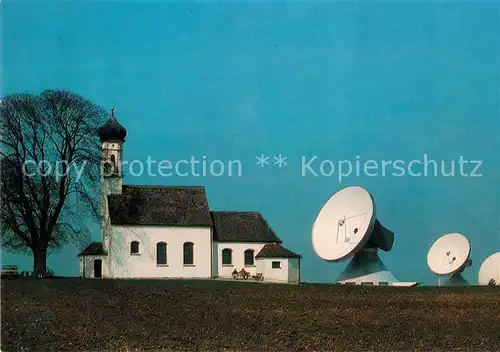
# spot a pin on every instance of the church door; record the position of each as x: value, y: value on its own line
x: 98, y: 268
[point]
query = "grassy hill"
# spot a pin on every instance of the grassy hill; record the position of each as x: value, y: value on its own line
x: 124, y: 315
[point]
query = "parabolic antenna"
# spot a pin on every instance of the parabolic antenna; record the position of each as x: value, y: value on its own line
x: 489, y: 273
x: 450, y: 255
x: 347, y: 226
x: 342, y: 226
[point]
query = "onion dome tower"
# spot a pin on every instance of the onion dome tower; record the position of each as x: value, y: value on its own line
x: 112, y: 135
x: 112, y: 131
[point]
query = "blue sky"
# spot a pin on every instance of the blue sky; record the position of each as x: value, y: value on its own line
x: 230, y: 81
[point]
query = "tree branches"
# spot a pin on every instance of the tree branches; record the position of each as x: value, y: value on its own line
x: 45, y: 140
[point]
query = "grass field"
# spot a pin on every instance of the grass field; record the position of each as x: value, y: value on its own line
x: 117, y: 315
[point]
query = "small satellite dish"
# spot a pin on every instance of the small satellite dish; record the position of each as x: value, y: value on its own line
x: 347, y: 226
x: 449, y: 255
x: 489, y: 273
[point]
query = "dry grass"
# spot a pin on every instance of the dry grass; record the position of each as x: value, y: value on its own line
x: 115, y: 315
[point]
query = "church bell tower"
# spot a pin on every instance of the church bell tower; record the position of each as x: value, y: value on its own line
x: 112, y: 136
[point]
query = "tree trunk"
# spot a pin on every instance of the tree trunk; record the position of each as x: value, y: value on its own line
x: 40, y: 262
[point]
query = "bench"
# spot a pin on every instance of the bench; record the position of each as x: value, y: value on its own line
x: 258, y: 277
x: 243, y: 274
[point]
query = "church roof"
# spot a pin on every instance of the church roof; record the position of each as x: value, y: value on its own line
x: 160, y: 205
x: 275, y: 250
x: 234, y: 226
x: 112, y: 130
x: 95, y: 248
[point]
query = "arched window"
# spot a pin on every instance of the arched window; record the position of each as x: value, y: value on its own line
x: 134, y: 247
x: 188, y: 253
x: 249, y: 257
x: 113, y: 159
x: 227, y: 256
x: 161, y: 253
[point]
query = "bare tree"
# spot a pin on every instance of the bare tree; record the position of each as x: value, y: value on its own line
x: 50, y: 171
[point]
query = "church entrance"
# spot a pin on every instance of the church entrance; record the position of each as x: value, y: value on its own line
x: 98, y: 268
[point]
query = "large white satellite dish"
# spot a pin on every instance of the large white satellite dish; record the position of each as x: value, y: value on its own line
x: 347, y: 226
x: 342, y: 224
x: 449, y: 255
x: 489, y: 273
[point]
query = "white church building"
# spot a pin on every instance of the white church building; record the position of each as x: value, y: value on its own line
x: 169, y: 231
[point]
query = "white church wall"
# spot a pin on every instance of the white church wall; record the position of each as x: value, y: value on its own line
x: 274, y: 274
x: 238, y: 257
x: 123, y: 264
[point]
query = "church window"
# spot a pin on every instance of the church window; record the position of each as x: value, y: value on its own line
x: 249, y: 257
x: 227, y: 256
x: 161, y: 253
x: 188, y: 253
x: 134, y: 247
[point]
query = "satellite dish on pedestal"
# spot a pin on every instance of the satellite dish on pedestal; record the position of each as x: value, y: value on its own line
x: 489, y: 273
x: 347, y: 227
x: 449, y: 255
